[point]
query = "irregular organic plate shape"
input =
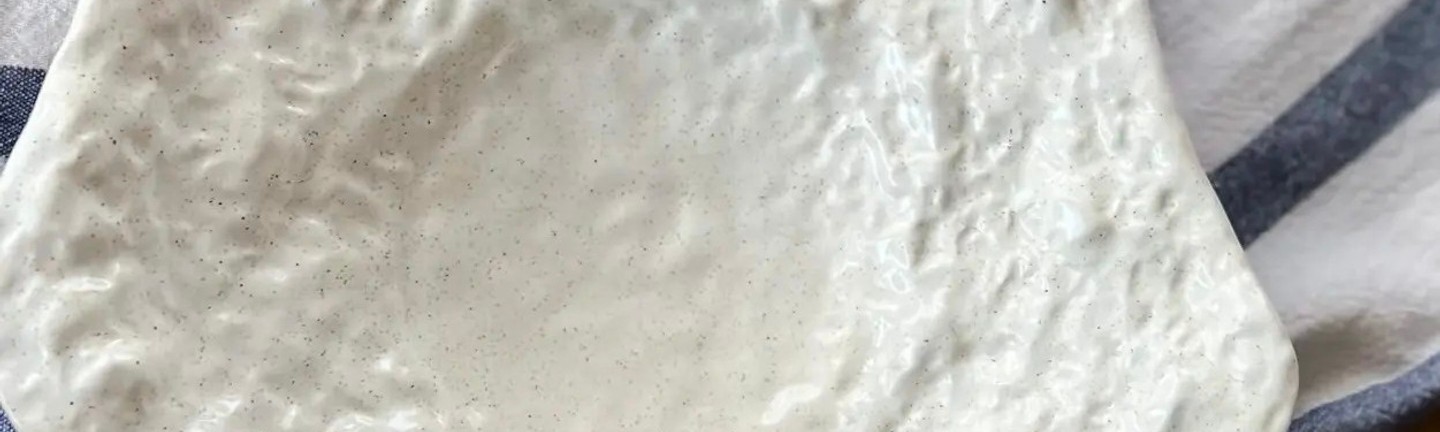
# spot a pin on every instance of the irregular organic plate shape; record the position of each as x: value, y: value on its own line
x: 649, y: 215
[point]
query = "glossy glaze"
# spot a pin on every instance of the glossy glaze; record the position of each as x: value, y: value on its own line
x: 622, y: 215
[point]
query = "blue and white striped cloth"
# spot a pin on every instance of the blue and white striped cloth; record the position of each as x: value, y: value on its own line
x: 1320, y: 126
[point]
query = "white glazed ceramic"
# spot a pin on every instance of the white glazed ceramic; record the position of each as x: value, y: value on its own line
x: 639, y: 215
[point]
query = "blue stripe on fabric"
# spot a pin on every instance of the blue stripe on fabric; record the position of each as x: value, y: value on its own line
x: 18, y: 89
x: 1355, y: 105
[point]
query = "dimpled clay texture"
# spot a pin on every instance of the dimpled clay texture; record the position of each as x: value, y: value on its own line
x: 622, y: 215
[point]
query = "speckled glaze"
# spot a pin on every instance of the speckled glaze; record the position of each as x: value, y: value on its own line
x: 639, y: 215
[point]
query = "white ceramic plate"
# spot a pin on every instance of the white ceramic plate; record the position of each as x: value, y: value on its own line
x: 621, y: 215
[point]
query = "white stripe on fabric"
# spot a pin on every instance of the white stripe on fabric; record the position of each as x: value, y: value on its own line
x: 1234, y: 66
x: 1355, y: 269
x: 31, y: 31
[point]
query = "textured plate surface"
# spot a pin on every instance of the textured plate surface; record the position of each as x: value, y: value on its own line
x: 622, y: 215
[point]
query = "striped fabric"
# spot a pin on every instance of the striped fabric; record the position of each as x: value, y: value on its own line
x: 1319, y: 123
x: 1354, y: 108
